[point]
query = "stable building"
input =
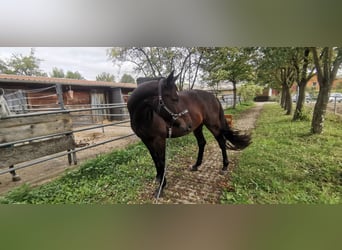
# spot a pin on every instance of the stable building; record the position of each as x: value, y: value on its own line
x: 32, y: 93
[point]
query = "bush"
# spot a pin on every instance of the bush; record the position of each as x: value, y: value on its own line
x: 249, y: 91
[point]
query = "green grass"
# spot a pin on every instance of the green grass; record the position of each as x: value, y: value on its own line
x: 239, y: 109
x: 111, y: 178
x: 285, y: 164
x: 115, y: 178
x: 288, y: 165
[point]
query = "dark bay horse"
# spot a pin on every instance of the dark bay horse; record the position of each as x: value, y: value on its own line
x: 157, y: 108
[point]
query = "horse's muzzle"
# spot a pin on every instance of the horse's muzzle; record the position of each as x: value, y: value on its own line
x: 187, y: 128
x: 183, y: 127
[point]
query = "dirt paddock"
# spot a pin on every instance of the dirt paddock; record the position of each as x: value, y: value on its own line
x: 46, y: 171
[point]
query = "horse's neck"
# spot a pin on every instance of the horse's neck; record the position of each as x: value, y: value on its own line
x: 143, y: 92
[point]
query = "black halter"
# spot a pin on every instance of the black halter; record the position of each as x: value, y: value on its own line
x: 161, y: 104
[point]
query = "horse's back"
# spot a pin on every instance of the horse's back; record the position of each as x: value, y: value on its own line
x: 206, y: 101
x: 200, y: 95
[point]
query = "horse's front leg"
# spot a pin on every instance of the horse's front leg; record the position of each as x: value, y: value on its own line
x: 157, y: 151
x: 201, y: 144
x: 160, y: 167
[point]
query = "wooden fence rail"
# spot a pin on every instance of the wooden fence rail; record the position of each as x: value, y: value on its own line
x: 18, y: 135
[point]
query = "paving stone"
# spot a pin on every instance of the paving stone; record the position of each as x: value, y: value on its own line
x: 206, y: 185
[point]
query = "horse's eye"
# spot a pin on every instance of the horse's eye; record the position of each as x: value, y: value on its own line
x: 175, y: 98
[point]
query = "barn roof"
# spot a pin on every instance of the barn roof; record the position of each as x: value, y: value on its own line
x: 63, y: 81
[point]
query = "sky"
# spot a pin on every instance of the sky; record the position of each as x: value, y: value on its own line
x: 88, y: 61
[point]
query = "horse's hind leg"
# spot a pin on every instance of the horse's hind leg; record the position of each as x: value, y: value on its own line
x: 201, y: 144
x: 15, y: 176
x: 222, y: 143
x: 215, y: 129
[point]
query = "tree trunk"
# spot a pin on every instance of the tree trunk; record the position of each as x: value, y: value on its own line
x: 288, y: 100
x: 282, y: 99
x: 320, y: 109
x: 303, y: 77
x: 326, y: 72
x: 300, y: 101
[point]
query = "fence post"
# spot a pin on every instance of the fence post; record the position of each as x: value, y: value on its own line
x: 60, y: 95
x: 23, y: 106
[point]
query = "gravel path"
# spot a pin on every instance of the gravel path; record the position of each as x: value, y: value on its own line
x: 204, y: 186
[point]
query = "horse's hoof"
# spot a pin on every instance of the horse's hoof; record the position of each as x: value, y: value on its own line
x: 193, y: 168
x: 16, y: 178
x: 158, y: 193
x: 223, y: 171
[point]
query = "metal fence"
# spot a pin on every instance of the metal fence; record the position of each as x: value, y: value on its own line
x: 115, y: 114
x: 228, y: 100
x: 335, y: 105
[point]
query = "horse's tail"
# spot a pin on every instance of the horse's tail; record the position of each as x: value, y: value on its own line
x: 235, y: 139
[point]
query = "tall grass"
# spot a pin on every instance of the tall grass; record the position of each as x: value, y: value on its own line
x: 286, y: 164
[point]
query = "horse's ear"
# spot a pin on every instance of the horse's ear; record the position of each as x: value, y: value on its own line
x: 171, y: 79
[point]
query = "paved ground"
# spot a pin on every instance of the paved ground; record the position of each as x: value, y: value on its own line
x: 204, y: 186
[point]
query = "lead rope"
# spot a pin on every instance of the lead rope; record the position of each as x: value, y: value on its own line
x: 165, y: 165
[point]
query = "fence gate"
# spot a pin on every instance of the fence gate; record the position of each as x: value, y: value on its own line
x: 98, y: 100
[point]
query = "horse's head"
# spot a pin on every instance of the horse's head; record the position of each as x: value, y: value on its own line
x: 169, y: 105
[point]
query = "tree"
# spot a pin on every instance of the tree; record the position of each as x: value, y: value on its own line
x: 249, y: 91
x: 304, y: 71
x: 276, y: 65
x: 286, y: 76
x: 105, y: 77
x: 228, y: 64
x: 57, y: 73
x: 127, y: 79
x: 157, y: 61
x: 74, y: 75
x: 327, y: 62
x: 19, y: 64
x: 3, y: 67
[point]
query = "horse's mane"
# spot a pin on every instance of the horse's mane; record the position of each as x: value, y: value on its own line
x: 141, y: 103
x: 143, y: 92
